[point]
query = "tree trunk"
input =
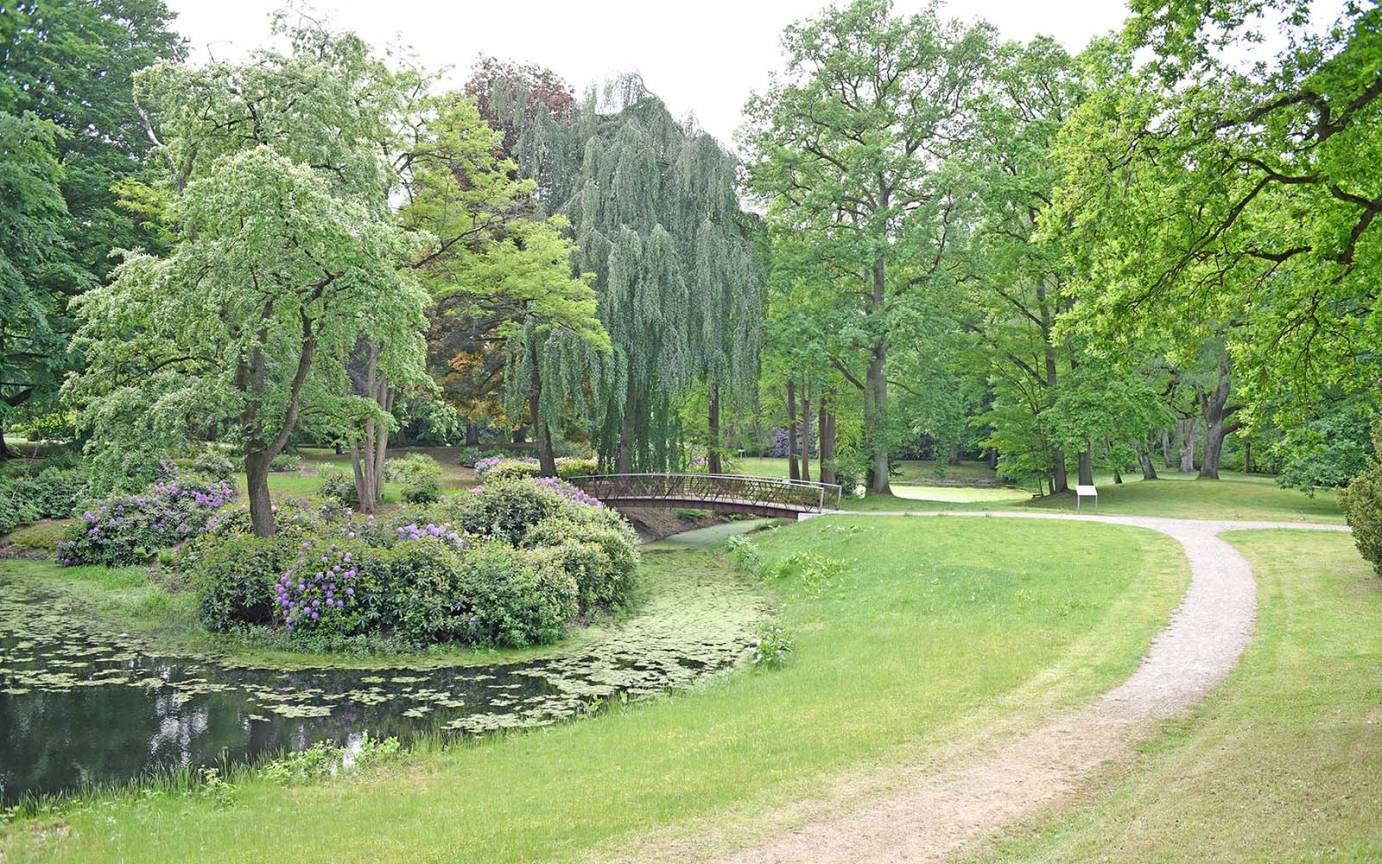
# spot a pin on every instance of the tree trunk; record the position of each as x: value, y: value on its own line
x: 712, y: 457
x: 1166, y: 448
x: 805, y: 432
x: 1086, y: 468
x: 991, y: 458
x: 547, y: 459
x: 792, y: 470
x: 1060, y: 482
x: 1187, y: 446
x: 519, y: 436
x: 472, y: 434
x: 5, y: 453
x: 368, y: 449
x: 1216, y: 411
x: 257, y: 481
x: 826, y: 442
x: 624, y: 458
x: 954, y: 457
x: 1247, y: 457
x: 1144, y: 459
x: 878, y: 389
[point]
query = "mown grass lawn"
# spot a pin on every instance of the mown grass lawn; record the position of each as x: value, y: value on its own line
x: 1284, y: 761
x: 1178, y: 496
x: 932, y: 625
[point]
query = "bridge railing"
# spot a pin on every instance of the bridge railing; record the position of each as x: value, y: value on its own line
x: 801, y: 495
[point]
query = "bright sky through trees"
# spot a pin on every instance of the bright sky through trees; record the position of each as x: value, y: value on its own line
x: 704, y: 57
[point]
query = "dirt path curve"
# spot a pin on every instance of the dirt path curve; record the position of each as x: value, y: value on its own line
x: 947, y: 804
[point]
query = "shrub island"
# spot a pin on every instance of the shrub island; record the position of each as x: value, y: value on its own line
x: 512, y: 563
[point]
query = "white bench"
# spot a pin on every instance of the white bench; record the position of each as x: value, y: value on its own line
x: 1082, y: 492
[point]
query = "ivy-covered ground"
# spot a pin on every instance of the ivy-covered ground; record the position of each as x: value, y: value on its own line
x: 907, y: 645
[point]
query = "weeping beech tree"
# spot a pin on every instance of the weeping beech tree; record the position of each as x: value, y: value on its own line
x: 653, y: 209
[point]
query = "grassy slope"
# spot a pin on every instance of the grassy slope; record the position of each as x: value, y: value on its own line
x: 912, y: 645
x: 1284, y: 762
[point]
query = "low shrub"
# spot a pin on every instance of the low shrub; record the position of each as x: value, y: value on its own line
x: 15, y: 508
x: 1362, y: 503
x: 506, y: 468
x: 339, y: 487
x: 128, y: 529
x: 576, y: 466
x: 510, y: 602
x: 56, y: 492
x: 49, y: 493
x: 604, y: 582
x: 420, y: 475
x: 285, y: 463
x: 213, y: 465
x: 505, y: 509
x: 234, y: 578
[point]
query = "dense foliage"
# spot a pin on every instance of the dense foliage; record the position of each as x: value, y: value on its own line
x: 1362, y: 502
x: 511, y: 563
x: 131, y: 528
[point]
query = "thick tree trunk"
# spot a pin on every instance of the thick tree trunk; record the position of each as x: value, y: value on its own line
x: 547, y: 458
x: 1086, y: 468
x: 368, y: 449
x: 792, y: 470
x: 826, y: 442
x: 805, y: 432
x: 1166, y: 458
x: 1060, y: 482
x: 5, y: 453
x: 519, y: 436
x: 991, y: 458
x: 1187, y: 445
x: 1144, y: 459
x: 257, y: 481
x: 876, y: 379
x: 1216, y: 411
x: 713, y: 463
x: 954, y: 457
x: 472, y: 434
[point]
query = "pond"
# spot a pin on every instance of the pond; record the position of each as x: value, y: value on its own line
x: 80, y: 707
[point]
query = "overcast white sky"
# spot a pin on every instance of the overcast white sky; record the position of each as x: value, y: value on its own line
x: 700, y: 57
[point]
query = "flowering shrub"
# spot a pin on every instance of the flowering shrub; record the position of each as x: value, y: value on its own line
x: 411, y: 531
x: 574, y: 466
x: 504, y: 509
x: 469, y: 456
x: 128, y: 529
x: 567, y: 491
x: 506, y: 468
x: 318, y: 591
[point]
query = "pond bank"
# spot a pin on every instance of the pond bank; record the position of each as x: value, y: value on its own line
x: 164, y: 711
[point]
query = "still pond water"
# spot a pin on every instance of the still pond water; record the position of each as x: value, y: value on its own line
x: 79, y: 706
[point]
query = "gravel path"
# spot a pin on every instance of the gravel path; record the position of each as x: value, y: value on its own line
x: 970, y: 791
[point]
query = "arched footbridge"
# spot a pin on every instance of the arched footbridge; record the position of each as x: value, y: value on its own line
x: 733, y: 493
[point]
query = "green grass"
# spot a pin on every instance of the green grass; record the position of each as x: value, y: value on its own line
x: 1179, y: 496
x: 907, y: 471
x: 1284, y: 761
x: 912, y: 646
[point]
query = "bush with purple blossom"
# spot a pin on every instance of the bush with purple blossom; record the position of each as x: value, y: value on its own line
x: 129, y: 529
x: 318, y: 592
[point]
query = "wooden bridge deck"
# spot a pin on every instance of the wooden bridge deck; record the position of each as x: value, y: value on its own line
x: 735, y: 493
